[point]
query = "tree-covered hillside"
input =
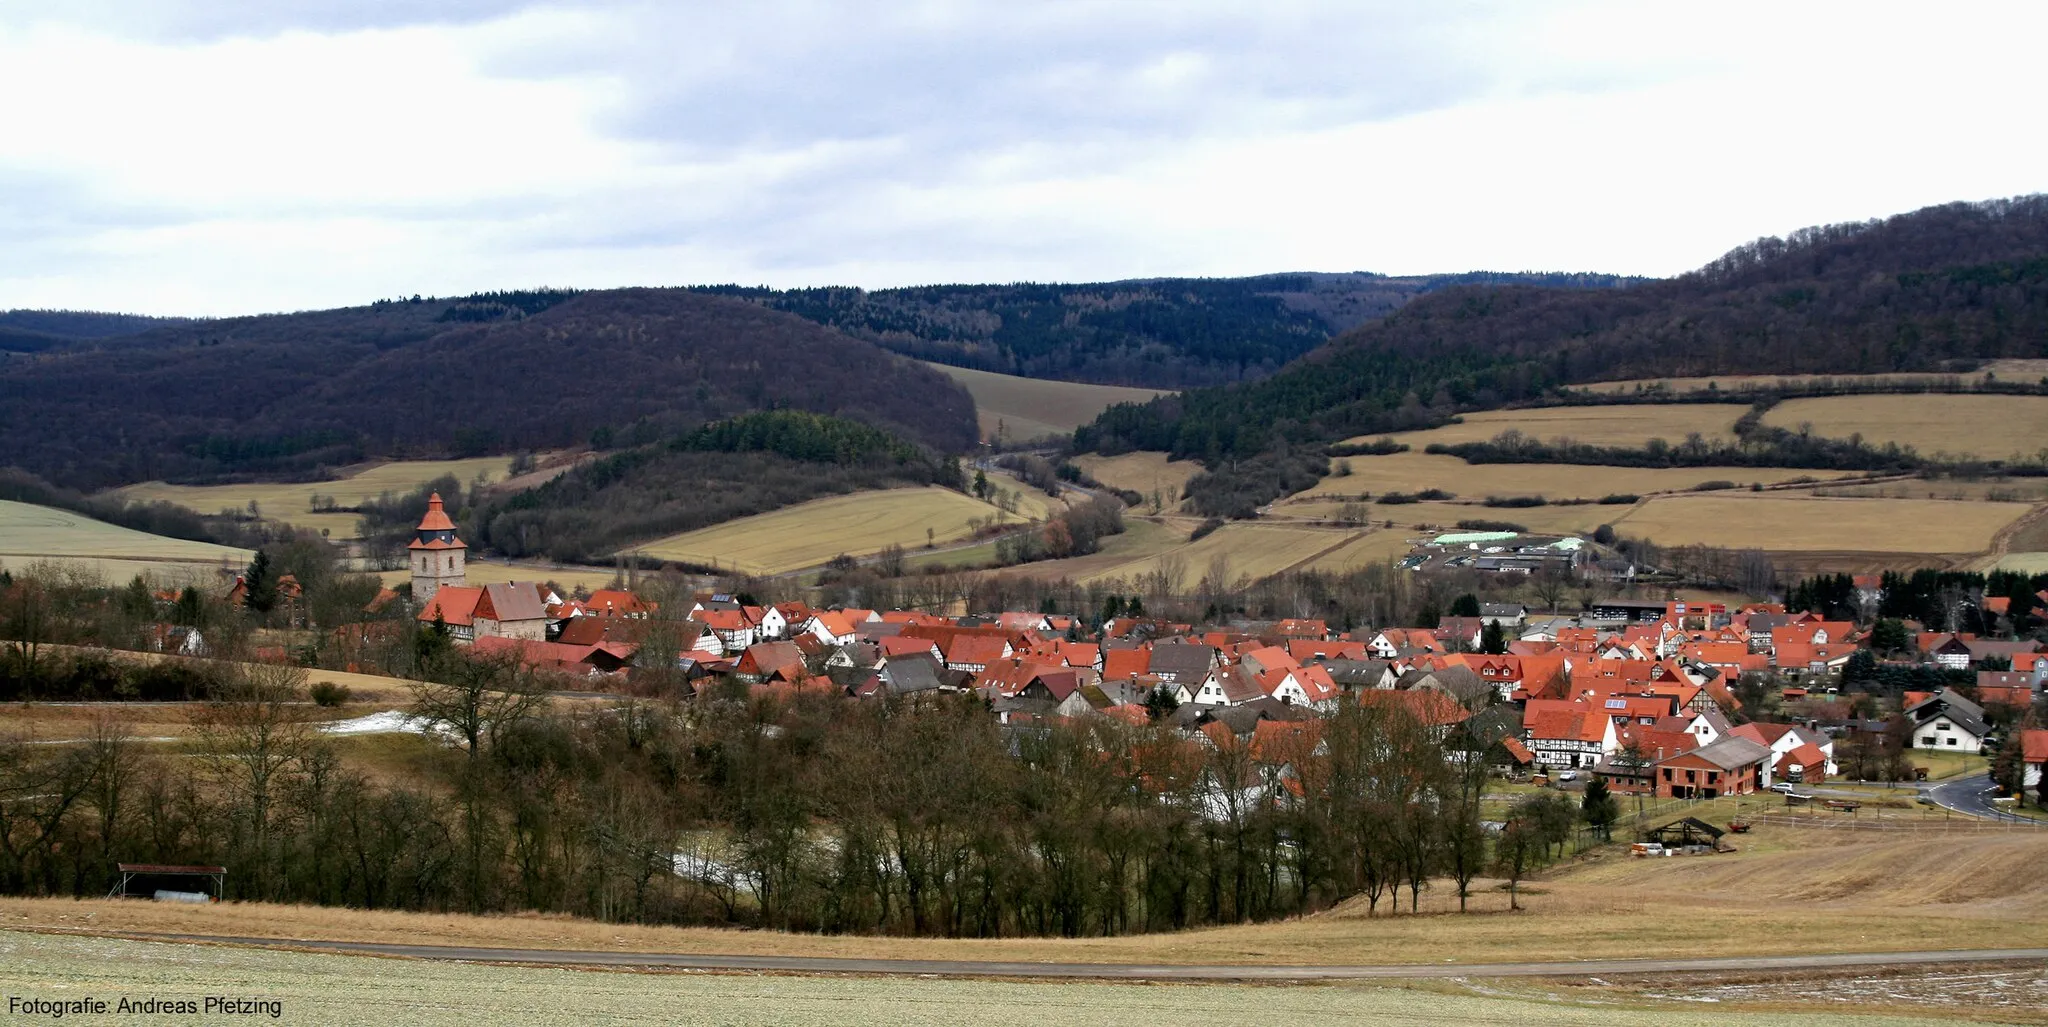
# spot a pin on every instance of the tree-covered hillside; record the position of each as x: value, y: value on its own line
x: 293, y: 393
x: 1167, y: 333
x: 1941, y: 288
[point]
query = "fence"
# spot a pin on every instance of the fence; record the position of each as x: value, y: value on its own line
x: 1930, y: 822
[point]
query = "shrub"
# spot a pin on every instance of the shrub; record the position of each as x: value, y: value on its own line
x: 1492, y: 526
x: 1395, y: 499
x: 1713, y: 486
x: 1619, y: 499
x: 1436, y: 495
x: 328, y: 694
x: 1205, y: 528
x: 1516, y: 502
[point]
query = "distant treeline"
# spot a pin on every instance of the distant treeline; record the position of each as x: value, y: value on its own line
x: 1167, y: 333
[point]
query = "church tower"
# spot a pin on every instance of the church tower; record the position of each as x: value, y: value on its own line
x: 436, y: 553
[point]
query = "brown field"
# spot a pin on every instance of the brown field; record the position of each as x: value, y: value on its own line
x: 1415, y: 470
x: 1849, y: 891
x: 1143, y: 473
x: 348, y: 990
x: 1992, y: 427
x: 1777, y: 522
x: 1028, y: 408
x: 1598, y: 425
x: 293, y: 503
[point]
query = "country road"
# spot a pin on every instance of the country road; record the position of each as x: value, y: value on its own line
x: 1095, y: 971
x: 1972, y: 796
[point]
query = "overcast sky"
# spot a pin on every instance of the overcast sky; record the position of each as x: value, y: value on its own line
x: 179, y: 157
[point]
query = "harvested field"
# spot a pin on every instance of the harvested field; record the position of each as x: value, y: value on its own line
x: 1812, y: 524
x: 809, y: 534
x: 2020, y: 369
x: 1142, y: 472
x: 1028, y: 408
x: 293, y: 503
x: 1415, y: 471
x: 1365, y: 550
x: 1243, y: 549
x: 1564, y: 520
x: 1142, y: 538
x: 1991, y: 427
x: 1598, y: 425
x: 348, y: 990
x: 33, y: 534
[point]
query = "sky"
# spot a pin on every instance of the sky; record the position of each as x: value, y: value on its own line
x: 186, y: 157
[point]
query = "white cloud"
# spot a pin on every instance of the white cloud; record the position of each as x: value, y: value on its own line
x: 169, y: 158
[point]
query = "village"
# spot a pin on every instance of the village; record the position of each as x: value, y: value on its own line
x: 1669, y: 699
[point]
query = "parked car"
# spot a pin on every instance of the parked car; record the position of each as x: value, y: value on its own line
x: 1567, y: 775
x: 1784, y: 788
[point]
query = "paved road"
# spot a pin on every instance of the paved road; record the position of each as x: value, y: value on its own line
x: 1972, y: 796
x: 1109, y: 971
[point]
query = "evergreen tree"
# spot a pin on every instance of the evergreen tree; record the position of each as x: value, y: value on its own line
x: 1112, y: 608
x: 261, y: 594
x: 1466, y: 605
x: 1598, y: 808
x: 1161, y: 704
x: 1135, y: 608
x: 1492, y: 639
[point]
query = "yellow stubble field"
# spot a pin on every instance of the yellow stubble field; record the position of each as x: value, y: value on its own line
x: 1992, y: 427
x: 809, y: 534
x: 1818, y: 524
x: 1626, y: 425
x: 1415, y: 471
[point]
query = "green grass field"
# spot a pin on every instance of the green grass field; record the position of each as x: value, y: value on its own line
x: 358, y: 990
x: 293, y: 503
x: 1027, y: 408
x: 809, y: 534
x: 39, y: 534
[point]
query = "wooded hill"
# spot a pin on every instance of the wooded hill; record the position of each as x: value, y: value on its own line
x: 1167, y: 333
x: 1939, y: 289
x: 289, y: 394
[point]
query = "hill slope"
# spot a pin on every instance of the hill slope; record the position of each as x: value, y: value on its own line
x: 1937, y: 288
x: 1166, y: 333
x: 290, y: 393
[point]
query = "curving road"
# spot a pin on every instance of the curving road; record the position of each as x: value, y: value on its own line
x: 1972, y: 796
x: 1101, y: 971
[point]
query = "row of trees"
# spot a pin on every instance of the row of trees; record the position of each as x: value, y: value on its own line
x: 798, y: 811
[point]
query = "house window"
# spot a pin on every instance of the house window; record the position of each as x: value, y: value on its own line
x: 1926, y: 739
x: 1951, y: 741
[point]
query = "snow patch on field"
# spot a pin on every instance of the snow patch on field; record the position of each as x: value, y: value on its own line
x: 387, y: 722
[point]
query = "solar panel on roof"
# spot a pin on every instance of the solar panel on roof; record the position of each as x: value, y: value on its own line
x: 1617, y: 704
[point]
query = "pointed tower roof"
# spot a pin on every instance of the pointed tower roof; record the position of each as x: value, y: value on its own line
x: 436, y: 518
x: 436, y: 531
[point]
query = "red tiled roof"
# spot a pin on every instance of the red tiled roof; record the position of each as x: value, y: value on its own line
x: 2034, y: 745
x: 453, y: 605
x: 437, y: 517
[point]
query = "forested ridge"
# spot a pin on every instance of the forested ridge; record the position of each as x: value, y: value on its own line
x: 1168, y: 333
x: 294, y: 394
x: 1938, y: 289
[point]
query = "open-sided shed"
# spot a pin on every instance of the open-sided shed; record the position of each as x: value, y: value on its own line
x: 155, y: 880
x: 1683, y: 832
